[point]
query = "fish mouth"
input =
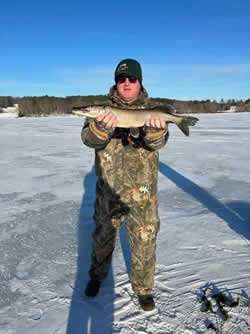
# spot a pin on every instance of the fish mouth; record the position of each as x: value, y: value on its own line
x: 81, y: 108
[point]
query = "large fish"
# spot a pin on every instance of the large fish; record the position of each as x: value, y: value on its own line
x: 134, y: 118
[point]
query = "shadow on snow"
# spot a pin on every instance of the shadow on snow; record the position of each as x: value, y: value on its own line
x: 89, y: 315
x: 236, y: 214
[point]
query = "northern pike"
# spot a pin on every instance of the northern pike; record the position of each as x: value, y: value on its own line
x: 134, y: 118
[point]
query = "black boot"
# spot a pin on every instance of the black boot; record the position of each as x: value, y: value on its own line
x: 147, y: 302
x: 92, y: 288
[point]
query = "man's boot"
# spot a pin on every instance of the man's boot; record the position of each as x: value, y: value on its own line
x: 147, y: 302
x: 92, y: 288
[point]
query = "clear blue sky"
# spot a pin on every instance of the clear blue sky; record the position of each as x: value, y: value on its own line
x: 196, y: 49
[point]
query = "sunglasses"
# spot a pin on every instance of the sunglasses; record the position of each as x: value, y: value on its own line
x: 122, y: 79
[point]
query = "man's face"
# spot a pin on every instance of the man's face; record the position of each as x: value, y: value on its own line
x: 128, y: 88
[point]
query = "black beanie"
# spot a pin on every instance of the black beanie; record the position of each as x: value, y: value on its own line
x: 130, y: 67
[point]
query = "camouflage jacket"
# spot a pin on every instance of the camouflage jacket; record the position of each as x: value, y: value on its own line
x: 122, y: 161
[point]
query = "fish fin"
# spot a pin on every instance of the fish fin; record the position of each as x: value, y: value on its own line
x: 186, y: 122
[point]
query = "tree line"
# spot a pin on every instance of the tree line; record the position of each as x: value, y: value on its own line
x: 51, y: 105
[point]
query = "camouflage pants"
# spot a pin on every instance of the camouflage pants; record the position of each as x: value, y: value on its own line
x: 142, y: 226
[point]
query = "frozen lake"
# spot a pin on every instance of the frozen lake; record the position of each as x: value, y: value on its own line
x: 47, y: 190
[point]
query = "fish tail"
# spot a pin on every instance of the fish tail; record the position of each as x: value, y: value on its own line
x: 186, y: 122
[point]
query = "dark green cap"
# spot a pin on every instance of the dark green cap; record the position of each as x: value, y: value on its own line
x: 130, y: 67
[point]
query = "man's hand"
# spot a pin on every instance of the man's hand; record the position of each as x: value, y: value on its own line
x: 106, y: 121
x: 156, y: 123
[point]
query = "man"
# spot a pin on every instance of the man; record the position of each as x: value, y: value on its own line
x: 126, y: 163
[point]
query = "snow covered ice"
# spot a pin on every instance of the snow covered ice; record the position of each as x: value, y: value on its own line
x: 47, y: 191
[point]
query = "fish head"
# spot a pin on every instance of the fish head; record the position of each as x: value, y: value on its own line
x: 92, y: 111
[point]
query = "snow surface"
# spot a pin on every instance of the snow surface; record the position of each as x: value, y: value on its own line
x: 47, y: 191
x: 8, y: 115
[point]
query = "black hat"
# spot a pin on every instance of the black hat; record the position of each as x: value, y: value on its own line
x: 129, y: 67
